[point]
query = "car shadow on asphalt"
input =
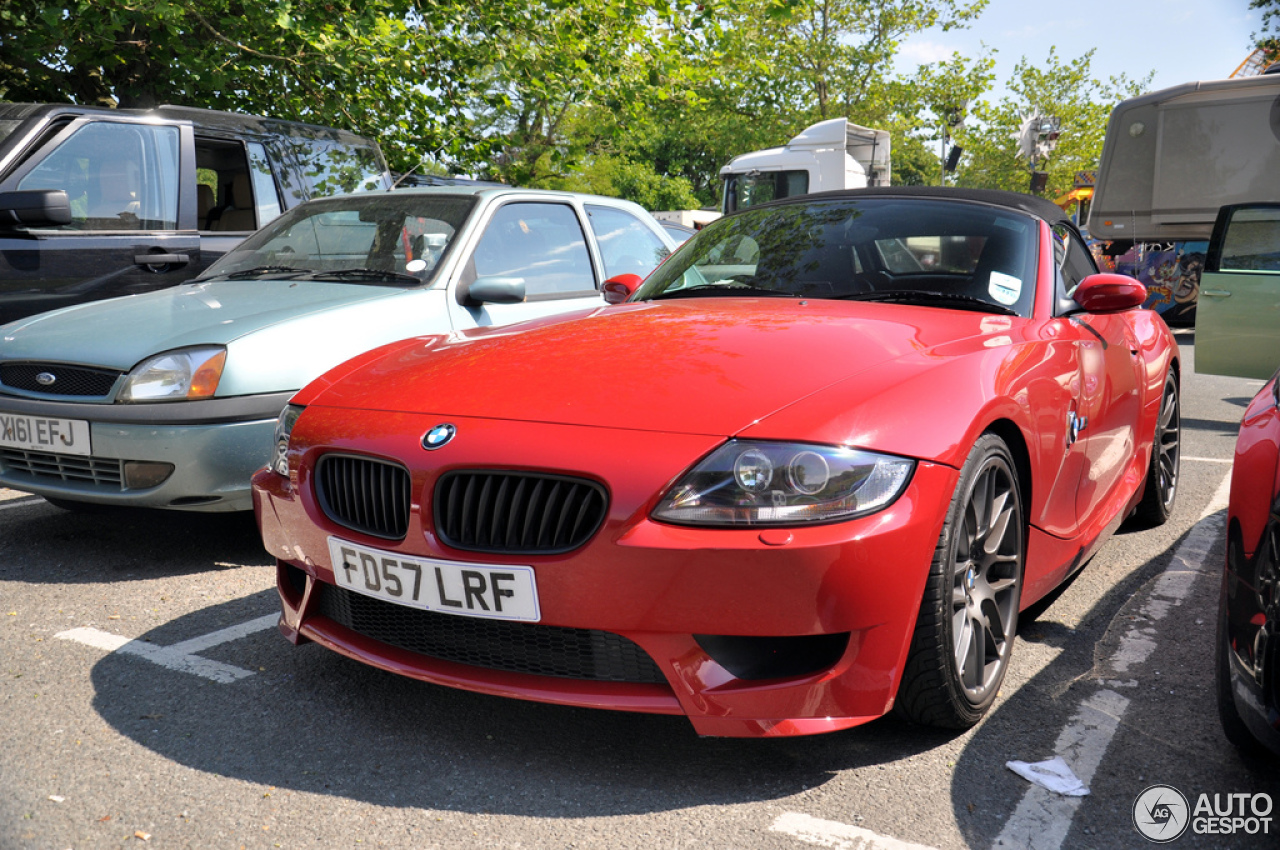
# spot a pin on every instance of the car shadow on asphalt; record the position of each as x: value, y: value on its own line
x: 312, y: 721
x: 1163, y: 725
x: 45, y: 544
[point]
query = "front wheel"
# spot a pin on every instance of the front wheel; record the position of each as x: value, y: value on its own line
x: 969, y: 614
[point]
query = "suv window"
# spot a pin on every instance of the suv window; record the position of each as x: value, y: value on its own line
x: 117, y: 176
x: 626, y: 245
x: 539, y: 242
x: 332, y: 168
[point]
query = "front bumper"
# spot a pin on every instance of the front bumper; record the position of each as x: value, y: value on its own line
x: 695, y: 601
x: 213, y: 447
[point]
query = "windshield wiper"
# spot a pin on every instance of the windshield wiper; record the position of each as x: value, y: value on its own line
x: 365, y: 274
x: 923, y: 296
x: 257, y: 271
x: 719, y: 290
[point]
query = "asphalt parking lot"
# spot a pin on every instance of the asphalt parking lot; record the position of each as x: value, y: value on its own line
x: 148, y: 701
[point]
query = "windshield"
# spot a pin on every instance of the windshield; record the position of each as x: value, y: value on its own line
x: 758, y: 187
x: 395, y: 239
x: 946, y: 253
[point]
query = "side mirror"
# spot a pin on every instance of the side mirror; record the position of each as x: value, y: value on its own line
x: 1109, y: 293
x: 35, y: 208
x: 496, y: 290
x: 620, y: 287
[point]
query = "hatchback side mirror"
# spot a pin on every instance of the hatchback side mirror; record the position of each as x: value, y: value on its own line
x: 35, y: 208
x: 496, y: 290
x: 620, y: 287
x: 1109, y: 293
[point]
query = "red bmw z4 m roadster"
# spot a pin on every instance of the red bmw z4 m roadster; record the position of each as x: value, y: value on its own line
x: 808, y: 472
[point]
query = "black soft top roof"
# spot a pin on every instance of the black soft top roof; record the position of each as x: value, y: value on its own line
x: 1031, y: 204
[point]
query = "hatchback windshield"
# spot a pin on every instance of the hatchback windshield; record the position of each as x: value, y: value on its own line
x: 942, y: 253
x: 387, y: 238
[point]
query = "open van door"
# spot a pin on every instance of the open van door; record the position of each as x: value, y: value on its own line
x: 1238, y: 319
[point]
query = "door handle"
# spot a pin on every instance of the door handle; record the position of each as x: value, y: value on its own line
x: 1215, y: 293
x: 161, y: 259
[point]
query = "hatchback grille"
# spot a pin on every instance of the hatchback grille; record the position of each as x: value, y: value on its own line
x: 367, y: 495
x: 103, y: 472
x: 68, y: 380
x: 531, y: 648
x: 517, y: 512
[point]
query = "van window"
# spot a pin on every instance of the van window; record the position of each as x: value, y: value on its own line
x: 1251, y: 241
x: 117, y: 176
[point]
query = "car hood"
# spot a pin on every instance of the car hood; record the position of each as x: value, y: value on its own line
x: 706, y: 367
x: 119, y: 332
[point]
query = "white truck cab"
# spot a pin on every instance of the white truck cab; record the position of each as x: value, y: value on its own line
x: 833, y: 154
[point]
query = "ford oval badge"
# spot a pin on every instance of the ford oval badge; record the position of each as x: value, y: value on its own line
x: 438, y: 436
x: 46, y: 379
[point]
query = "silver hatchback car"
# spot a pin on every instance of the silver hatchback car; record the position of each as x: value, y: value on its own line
x: 169, y: 399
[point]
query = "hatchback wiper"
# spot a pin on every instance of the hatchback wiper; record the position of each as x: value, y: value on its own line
x: 719, y: 290
x: 923, y: 296
x: 256, y: 271
x: 365, y: 274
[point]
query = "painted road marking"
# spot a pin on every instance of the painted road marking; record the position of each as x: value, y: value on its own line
x: 836, y: 835
x: 179, y: 656
x: 9, y: 504
x: 1043, y: 818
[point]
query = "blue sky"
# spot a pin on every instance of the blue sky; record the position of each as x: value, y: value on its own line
x: 1178, y: 40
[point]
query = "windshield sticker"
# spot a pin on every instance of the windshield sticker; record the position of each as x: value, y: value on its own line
x: 1005, y: 288
x: 415, y: 266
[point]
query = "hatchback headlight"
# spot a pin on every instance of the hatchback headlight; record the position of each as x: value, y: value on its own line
x: 759, y: 483
x: 284, y: 428
x: 187, y: 374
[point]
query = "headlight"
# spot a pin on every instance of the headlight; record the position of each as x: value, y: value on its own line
x: 183, y: 375
x: 284, y: 427
x: 756, y: 483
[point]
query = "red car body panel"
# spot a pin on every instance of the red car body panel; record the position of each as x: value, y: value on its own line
x: 632, y: 396
x: 1250, y: 628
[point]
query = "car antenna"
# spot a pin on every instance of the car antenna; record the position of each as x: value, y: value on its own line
x: 404, y: 177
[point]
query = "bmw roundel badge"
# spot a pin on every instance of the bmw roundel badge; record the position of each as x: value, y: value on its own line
x: 438, y: 436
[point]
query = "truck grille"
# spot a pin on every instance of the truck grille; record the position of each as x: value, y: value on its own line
x: 69, y: 380
x: 531, y: 648
x: 517, y: 512
x: 367, y: 495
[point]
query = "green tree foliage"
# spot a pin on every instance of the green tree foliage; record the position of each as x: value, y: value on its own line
x: 1067, y: 91
x: 641, y: 98
x: 1269, y: 38
x: 448, y: 80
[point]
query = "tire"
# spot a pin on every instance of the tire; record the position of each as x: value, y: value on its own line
x: 969, y: 613
x: 1161, y: 487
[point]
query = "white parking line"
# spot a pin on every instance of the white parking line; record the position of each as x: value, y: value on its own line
x: 1043, y: 818
x: 179, y: 656
x: 836, y: 835
x: 10, y: 504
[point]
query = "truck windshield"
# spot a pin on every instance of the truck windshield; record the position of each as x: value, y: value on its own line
x: 757, y: 187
